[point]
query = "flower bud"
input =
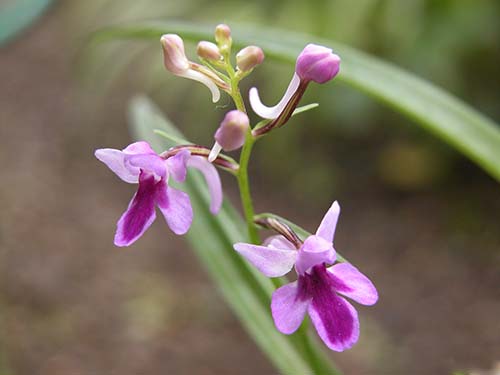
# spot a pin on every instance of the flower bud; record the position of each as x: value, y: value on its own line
x: 208, y: 50
x: 249, y: 57
x: 232, y: 130
x: 223, y: 37
x: 174, y: 56
x: 231, y: 133
x: 317, y: 63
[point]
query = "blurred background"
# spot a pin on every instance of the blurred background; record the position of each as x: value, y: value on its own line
x: 418, y: 218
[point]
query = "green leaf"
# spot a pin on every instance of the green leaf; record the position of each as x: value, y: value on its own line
x: 447, y: 117
x: 212, y: 237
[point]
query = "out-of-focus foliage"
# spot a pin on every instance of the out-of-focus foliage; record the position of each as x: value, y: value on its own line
x: 15, y: 15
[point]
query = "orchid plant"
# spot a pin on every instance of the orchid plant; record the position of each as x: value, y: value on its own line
x: 323, y: 279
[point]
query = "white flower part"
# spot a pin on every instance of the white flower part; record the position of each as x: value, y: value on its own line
x: 273, y: 112
x: 214, y: 152
x: 197, y: 76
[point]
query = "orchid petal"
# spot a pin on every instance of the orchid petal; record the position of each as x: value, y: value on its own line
x: 212, y: 178
x: 197, y: 76
x: 176, y: 208
x: 148, y: 162
x: 271, y: 262
x: 115, y: 160
x: 288, y: 306
x: 279, y: 242
x: 140, y: 147
x: 177, y: 165
x: 273, y: 112
x: 335, y: 319
x: 140, y: 213
x: 327, y: 227
x: 348, y: 281
x: 315, y: 251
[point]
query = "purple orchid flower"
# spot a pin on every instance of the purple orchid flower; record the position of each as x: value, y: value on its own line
x: 319, y: 290
x: 139, y: 163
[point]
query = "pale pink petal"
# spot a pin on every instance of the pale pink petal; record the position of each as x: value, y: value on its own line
x: 177, y: 165
x: 335, y: 319
x: 140, y: 147
x: 314, y: 251
x: 140, y: 213
x: 327, y: 227
x: 279, y: 242
x: 271, y: 262
x: 273, y: 112
x: 148, y: 162
x: 176, y: 208
x: 212, y: 178
x: 115, y: 160
x: 288, y: 306
x: 347, y: 280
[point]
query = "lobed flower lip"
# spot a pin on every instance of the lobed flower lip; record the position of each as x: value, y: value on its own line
x: 320, y: 290
x: 139, y: 163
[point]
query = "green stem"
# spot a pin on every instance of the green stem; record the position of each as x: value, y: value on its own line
x: 309, y: 350
x: 242, y: 176
x: 243, y: 183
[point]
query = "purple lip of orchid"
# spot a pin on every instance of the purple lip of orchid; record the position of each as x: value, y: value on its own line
x: 319, y: 290
x: 139, y: 163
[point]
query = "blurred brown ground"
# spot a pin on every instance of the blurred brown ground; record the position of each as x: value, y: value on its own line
x: 71, y: 303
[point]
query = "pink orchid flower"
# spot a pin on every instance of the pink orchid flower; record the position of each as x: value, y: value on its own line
x: 319, y: 289
x: 139, y: 163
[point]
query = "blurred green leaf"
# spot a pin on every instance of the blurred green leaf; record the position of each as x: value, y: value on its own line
x: 470, y: 132
x: 212, y: 237
x: 15, y: 15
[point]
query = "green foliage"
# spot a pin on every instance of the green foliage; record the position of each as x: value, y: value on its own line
x: 473, y: 134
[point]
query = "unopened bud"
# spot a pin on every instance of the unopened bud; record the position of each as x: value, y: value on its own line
x: 317, y: 63
x: 223, y: 37
x: 208, y: 50
x: 231, y: 133
x: 174, y: 56
x: 249, y: 57
x: 232, y: 130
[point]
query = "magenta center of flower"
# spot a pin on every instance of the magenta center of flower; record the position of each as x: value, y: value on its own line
x: 321, y: 285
